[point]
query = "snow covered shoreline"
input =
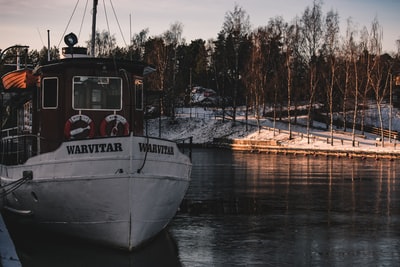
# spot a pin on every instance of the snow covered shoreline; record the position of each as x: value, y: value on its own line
x: 205, y: 127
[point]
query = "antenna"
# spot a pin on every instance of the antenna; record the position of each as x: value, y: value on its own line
x: 130, y: 36
x: 48, y: 45
x: 130, y: 29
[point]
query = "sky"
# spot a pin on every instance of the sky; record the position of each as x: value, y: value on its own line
x: 26, y: 22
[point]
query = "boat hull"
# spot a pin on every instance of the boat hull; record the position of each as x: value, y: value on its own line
x: 115, y: 191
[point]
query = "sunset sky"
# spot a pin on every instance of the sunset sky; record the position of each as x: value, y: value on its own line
x: 26, y: 22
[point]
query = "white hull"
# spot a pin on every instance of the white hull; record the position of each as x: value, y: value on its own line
x: 118, y: 191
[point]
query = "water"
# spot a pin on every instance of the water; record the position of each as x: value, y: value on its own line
x: 247, y: 209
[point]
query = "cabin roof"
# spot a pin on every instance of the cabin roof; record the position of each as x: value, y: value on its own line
x: 102, y: 64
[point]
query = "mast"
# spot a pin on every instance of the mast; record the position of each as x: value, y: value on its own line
x: 93, y: 27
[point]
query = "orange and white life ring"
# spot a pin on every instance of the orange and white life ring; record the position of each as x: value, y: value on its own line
x: 79, y: 125
x: 114, y: 125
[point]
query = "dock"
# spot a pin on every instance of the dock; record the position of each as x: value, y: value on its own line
x: 8, y: 254
x: 341, y: 149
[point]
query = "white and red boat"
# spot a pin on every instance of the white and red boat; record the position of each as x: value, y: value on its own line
x: 76, y: 160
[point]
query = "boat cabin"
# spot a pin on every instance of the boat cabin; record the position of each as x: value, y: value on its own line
x: 70, y: 99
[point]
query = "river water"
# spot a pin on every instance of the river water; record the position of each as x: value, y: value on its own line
x: 246, y: 209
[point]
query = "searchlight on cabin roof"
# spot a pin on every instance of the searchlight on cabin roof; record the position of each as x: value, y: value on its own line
x: 70, y: 51
x: 70, y: 39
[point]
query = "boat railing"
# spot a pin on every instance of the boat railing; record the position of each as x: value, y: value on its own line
x: 9, y: 131
x: 16, y: 149
x: 185, y: 145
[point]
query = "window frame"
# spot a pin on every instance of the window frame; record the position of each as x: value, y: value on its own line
x: 99, y: 78
x: 138, y: 83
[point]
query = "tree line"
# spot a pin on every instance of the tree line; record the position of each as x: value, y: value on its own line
x: 284, y: 65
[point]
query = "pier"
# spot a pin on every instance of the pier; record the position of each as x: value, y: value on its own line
x: 372, y: 150
x: 8, y: 254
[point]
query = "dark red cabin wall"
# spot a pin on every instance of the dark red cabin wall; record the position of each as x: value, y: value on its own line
x: 50, y: 121
x: 135, y: 118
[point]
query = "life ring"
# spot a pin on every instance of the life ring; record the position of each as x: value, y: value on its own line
x: 71, y: 132
x: 114, y: 125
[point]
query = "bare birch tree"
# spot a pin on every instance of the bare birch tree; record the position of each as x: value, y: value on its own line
x: 365, y: 65
x: 173, y: 38
x: 351, y: 80
x: 290, y: 47
x: 236, y: 27
x: 312, y: 34
x: 332, y: 46
x: 376, y: 72
x: 253, y: 75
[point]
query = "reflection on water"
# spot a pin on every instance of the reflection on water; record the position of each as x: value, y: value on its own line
x: 37, y: 248
x: 274, y: 210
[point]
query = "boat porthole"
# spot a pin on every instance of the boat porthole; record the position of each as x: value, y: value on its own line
x: 34, y: 196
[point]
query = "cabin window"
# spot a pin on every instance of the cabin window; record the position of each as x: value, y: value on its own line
x: 139, y: 94
x: 97, y: 93
x: 50, y: 93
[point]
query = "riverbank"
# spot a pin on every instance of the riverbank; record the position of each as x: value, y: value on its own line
x: 209, y: 129
x: 272, y: 146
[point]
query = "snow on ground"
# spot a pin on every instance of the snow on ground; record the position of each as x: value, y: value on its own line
x: 206, y: 124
